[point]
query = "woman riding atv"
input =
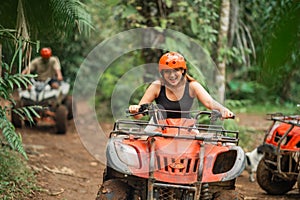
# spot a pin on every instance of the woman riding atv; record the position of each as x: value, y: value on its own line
x: 176, y: 90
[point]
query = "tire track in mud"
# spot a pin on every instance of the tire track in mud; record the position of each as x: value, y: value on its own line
x: 63, y: 167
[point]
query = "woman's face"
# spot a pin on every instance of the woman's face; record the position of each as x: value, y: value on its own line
x: 173, y: 76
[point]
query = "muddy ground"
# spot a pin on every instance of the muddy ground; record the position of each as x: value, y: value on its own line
x: 66, y: 170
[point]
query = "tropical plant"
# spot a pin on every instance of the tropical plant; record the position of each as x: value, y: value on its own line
x: 199, y: 19
x: 17, y: 178
x: 261, y: 57
x: 46, y: 21
x: 9, y: 82
x: 21, y: 22
x: 281, y: 55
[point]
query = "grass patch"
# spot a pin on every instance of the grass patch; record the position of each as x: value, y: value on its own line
x: 271, y: 108
x: 250, y: 138
x: 17, y: 179
x: 247, y: 106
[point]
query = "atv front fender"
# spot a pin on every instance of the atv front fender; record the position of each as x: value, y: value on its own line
x: 223, y: 166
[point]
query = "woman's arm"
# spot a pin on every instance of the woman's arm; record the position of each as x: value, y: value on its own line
x: 149, y: 96
x: 204, y: 97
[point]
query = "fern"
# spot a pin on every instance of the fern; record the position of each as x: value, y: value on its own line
x: 13, y: 138
x: 8, y: 83
x: 27, y: 112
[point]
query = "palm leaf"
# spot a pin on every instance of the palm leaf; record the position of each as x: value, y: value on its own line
x: 13, y: 138
x: 7, y: 85
x: 27, y: 112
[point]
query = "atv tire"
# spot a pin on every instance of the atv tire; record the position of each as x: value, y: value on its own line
x: 298, y: 182
x: 61, y: 119
x: 15, y: 118
x: 68, y: 102
x: 113, y: 189
x: 273, y: 185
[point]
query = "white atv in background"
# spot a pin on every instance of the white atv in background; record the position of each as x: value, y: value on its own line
x: 55, y: 105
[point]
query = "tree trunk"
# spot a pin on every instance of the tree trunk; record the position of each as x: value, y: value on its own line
x: 23, y: 35
x: 222, y: 44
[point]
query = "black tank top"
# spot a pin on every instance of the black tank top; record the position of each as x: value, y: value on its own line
x: 184, y: 104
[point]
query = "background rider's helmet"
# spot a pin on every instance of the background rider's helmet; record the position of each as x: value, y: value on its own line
x: 171, y: 60
x: 46, y: 52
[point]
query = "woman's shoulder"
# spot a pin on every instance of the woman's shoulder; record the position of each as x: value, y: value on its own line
x: 194, y: 84
x: 152, y: 91
x: 155, y: 86
x: 156, y: 83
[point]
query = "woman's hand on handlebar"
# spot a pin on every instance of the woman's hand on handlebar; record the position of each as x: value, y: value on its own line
x: 134, y: 109
x: 226, y: 114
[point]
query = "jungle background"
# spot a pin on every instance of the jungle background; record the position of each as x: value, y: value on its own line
x: 254, y: 43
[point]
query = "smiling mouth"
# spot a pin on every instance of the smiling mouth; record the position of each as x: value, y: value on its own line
x: 173, y: 80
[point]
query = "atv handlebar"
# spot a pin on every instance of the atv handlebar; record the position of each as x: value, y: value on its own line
x: 145, y: 108
x: 142, y: 110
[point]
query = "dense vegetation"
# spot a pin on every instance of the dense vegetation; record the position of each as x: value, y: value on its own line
x: 17, y: 179
x: 261, y: 51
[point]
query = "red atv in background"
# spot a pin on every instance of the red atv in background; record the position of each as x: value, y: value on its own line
x: 278, y: 170
x: 172, y: 159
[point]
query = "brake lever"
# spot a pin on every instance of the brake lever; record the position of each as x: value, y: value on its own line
x: 142, y: 110
x: 215, y: 115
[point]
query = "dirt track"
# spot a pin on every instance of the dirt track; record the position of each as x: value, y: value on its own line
x: 66, y: 170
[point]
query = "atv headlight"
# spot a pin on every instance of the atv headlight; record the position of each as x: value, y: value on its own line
x: 127, y: 154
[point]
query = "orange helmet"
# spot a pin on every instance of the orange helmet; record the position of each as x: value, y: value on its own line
x: 171, y: 60
x: 46, y: 52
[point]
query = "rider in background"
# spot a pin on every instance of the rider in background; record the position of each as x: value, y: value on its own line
x: 176, y: 90
x: 46, y: 66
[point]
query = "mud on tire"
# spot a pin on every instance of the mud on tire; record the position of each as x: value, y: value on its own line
x: 113, y: 189
x: 269, y: 183
x: 298, y: 182
x: 61, y: 119
x: 68, y: 102
x: 228, y: 195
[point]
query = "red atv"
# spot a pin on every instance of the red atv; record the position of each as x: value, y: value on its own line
x: 172, y: 159
x: 278, y: 170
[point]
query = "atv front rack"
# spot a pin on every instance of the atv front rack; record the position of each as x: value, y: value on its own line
x: 288, y: 119
x: 204, y: 132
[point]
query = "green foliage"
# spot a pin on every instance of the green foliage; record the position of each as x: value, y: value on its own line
x: 51, y: 19
x: 275, y: 29
x: 109, y: 82
x: 197, y: 19
x: 61, y: 28
x: 257, y: 32
x: 17, y: 180
x: 250, y: 137
x: 281, y: 55
x: 10, y: 135
x: 7, y: 85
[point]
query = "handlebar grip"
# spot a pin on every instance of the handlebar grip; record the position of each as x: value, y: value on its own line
x: 144, y: 107
x: 142, y: 110
x: 232, y: 117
